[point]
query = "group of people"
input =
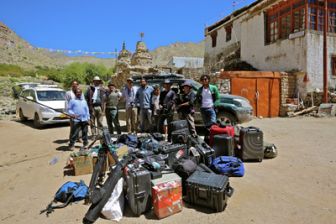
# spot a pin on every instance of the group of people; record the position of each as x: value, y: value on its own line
x: 148, y: 109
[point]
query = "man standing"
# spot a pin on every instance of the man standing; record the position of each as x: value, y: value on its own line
x: 167, y: 105
x: 111, y: 112
x: 95, y: 97
x: 143, y: 99
x: 79, y: 111
x: 70, y: 95
x: 186, y: 106
x: 207, y: 95
x: 128, y: 94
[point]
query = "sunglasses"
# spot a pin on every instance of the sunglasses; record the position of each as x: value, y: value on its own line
x: 204, y: 79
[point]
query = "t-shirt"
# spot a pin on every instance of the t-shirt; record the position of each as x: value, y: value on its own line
x: 155, y: 104
x: 207, y: 101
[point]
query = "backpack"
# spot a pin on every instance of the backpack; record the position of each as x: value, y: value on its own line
x: 228, y: 165
x: 67, y: 193
x: 270, y: 150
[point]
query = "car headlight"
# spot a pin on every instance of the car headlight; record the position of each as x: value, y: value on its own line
x: 243, y: 103
x: 46, y: 110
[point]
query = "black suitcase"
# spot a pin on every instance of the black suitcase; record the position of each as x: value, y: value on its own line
x: 173, y: 152
x: 223, y: 145
x: 139, y: 189
x: 180, y: 136
x: 178, y: 125
x: 157, y: 136
x: 209, y: 190
x: 207, y: 154
x: 251, y: 144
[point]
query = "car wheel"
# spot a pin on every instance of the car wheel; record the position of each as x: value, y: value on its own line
x: 37, y: 123
x: 21, y: 116
x: 224, y: 116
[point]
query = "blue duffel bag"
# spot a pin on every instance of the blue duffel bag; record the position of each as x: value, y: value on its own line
x: 228, y: 165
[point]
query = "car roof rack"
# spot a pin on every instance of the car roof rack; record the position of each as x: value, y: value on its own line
x: 158, y: 76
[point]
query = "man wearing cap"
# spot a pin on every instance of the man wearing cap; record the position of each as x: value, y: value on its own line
x: 143, y: 100
x: 95, y: 97
x: 185, y: 106
x: 128, y: 94
x: 111, y: 112
x: 207, y: 96
x: 167, y: 105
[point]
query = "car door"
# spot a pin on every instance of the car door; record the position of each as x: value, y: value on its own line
x: 22, y: 102
x: 30, y: 105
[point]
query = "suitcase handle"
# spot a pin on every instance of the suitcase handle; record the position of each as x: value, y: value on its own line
x: 139, y: 195
x: 229, y: 191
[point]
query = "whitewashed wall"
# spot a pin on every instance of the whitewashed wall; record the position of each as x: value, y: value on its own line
x: 283, y: 55
x: 315, y: 58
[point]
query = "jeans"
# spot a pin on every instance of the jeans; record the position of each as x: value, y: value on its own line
x: 145, y: 120
x: 96, y: 115
x: 208, y: 116
x: 79, y: 126
x: 131, y: 119
x: 112, y: 120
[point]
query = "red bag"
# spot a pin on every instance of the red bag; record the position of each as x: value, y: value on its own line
x: 218, y: 130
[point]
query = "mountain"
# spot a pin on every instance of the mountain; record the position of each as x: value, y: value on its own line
x: 162, y: 55
x: 17, y: 51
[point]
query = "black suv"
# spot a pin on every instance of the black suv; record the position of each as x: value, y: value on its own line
x: 237, y: 109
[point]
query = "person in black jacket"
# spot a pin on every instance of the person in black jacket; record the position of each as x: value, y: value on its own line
x: 185, y: 106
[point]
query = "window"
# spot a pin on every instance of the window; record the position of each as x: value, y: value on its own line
x: 332, y: 21
x: 299, y: 19
x: 333, y: 65
x: 214, y: 38
x: 228, y: 30
x: 316, y: 15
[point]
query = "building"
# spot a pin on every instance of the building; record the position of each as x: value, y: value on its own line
x: 186, y: 62
x: 275, y: 35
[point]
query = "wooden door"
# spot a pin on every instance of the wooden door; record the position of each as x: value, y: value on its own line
x: 262, y: 97
x: 245, y: 87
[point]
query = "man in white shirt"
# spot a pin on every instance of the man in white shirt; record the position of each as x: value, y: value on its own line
x: 128, y: 94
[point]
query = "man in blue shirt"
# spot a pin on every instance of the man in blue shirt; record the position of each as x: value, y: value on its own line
x: 143, y: 100
x: 79, y: 111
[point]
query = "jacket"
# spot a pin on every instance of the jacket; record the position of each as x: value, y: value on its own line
x: 214, y: 92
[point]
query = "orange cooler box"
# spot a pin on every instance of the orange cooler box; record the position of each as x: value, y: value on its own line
x: 167, y: 195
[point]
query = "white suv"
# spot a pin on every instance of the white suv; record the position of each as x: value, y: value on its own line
x: 31, y: 101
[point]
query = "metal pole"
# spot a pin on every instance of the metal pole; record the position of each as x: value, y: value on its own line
x: 325, y: 54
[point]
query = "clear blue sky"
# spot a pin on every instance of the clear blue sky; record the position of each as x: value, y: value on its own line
x: 102, y: 25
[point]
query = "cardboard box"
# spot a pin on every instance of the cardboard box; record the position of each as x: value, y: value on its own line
x: 123, y: 150
x: 82, y: 165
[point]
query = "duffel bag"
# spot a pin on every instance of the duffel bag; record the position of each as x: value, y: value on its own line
x: 228, y: 165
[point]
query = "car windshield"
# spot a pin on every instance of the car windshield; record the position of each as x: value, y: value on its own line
x: 50, y: 95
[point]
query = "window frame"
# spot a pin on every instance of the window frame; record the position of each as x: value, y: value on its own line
x: 213, y: 36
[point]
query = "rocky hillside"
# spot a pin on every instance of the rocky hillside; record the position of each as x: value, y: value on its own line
x: 162, y: 55
x: 17, y: 51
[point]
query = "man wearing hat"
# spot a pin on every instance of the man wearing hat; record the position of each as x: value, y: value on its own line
x: 143, y: 100
x: 185, y: 106
x: 128, y: 94
x: 95, y: 97
x: 111, y: 112
x: 167, y: 105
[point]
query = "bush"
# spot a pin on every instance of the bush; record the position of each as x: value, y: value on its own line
x: 11, y: 70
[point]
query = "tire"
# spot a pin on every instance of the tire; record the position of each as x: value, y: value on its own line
x: 227, y: 116
x: 37, y: 123
x: 21, y: 116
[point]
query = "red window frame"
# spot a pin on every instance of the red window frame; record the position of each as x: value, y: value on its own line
x: 333, y: 65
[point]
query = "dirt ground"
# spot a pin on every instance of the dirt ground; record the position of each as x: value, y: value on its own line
x: 298, y: 186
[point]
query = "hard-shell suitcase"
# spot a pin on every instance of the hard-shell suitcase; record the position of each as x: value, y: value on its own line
x: 207, y: 154
x: 139, y: 189
x: 209, y: 190
x: 218, y: 130
x: 174, y: 152
x: 167, y: 195
x: 223, y: 145
x: 251, y: 144
x: 180, y: 136
x: 178, y: 125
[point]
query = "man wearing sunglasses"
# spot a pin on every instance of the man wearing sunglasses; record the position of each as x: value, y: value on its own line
x: 207, y: 96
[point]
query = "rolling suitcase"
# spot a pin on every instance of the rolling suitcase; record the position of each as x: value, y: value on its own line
x: 251, y: 144
x: 139, y: 189
x: 218, y: 130
x: 209, y: 190
x: 223, y: 145
x: 173, y: 152
x: 207, y: 154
